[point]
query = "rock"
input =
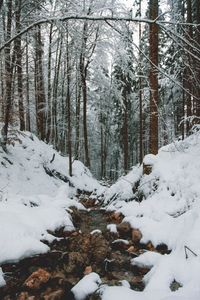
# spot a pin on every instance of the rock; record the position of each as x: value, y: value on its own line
x: 24, y: 296
x: 137, y: 283
x: 76, y: 263
x: 56, y: 295
x: 116, y: 217
x: 131, y: 249
x: 88, y: 202
x: 136, y: 235
x: 88, y: 270
x: 120, y: 245
x: 37, y: 279
x: 163, y: 249
x: 100, y: 249
x: 150, y: 246
x: 124, y: 229
x: 118, y: 262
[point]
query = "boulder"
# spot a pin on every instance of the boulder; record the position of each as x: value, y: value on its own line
x: 124, y: 229
x: 37, y: 279
x: 136, y: 235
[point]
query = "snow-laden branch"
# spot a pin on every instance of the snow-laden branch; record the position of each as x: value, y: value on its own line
x: 157, y: 68
x: 90, y: 18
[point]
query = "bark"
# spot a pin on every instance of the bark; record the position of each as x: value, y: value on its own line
x: 49, y: 109
x: 153, y: 78
x: 68, y: 102
x: 39, y: 81
x: 83, y: 75
x: 78, y: 109
x: 28, y: 121
x: 19, y: 66
x: 188, y: 75
x: 125, y: 134
x: 141, y: 155
x: 8, y: 78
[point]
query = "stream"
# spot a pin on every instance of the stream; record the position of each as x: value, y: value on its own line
x: 90, y: 248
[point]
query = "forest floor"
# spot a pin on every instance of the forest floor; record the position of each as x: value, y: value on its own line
x: 100, y: 244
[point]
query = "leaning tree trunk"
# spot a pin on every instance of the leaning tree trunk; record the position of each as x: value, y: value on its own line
x: 153, y: 77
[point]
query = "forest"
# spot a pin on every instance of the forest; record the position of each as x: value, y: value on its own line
x: 99, y: 149
x: 105, y: 82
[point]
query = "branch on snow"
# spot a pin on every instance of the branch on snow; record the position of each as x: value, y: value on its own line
x: 58, y: 175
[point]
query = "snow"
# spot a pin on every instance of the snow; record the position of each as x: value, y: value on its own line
x: 112, y: 228
x: 149, y: 159
x: 123, y: 188
x: 86, y: 286
x: 33, y: 203
x: 169, y: 214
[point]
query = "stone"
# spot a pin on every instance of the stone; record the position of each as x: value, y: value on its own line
x: 88, y: 270
x: 76, y: 262
x: 24, y: 296
x: 124, y: 229
x: 56, y: 295
x: 150, y: 247
x: 136, y: 235
x: 120, y: 245
x: 116, y: 217
x: 131, y: 249
x: 37, y: 279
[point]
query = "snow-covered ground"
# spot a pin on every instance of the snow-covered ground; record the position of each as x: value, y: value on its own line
x: 169, y: 214
x: 32, y: 202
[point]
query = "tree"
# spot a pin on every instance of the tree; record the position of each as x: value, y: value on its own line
x: 153, y: 76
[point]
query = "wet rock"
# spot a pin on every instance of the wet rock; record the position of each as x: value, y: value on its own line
x: 88, y: 202
x: 116, y: 217
x: 76, y: 262
x: 88, y: 270
x: 136, y: 235
x: 56, y: 295
x: 76, y: 216
x: 94, y: 296
x: 150, y: 247
x: 137, y: 283
x: 118, y: 261
x: 25, y: 296
x: 120, y: 245
x: 80, y: 243
x: 100, y: 248
x: 37, y: 279
x: 131, y: 249
x: 124, y: 230
x: 163, y: 249
x: 139, y: 271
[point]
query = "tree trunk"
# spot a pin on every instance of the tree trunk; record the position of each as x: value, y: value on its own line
x: 40, y: 92
x: 78, y: 109
x: 49, y: 109
x: 28, y: 121
x: 153, y: 78
x: 8, y: 78
x: 69, y: 139
x: 19, y: 66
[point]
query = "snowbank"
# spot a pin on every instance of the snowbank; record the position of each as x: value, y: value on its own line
x: 123, y: 189
x: 31, y: 201
x: 169, y: 214
x: 23, y: 168
x: 86, y: 286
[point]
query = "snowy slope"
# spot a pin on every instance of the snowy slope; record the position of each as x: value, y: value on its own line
x: 169, y: 214
x: 32, y: 202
